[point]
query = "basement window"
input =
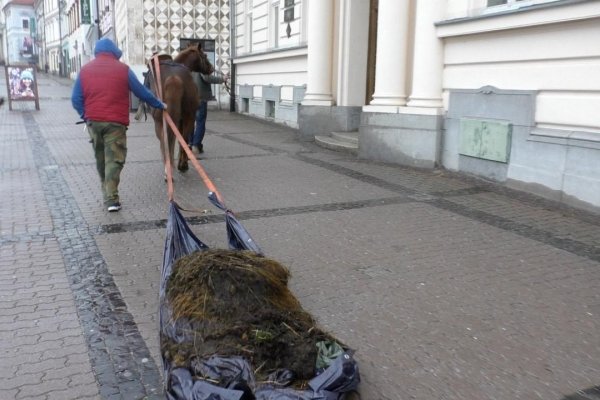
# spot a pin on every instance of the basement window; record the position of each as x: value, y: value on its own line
x: 270, y: 108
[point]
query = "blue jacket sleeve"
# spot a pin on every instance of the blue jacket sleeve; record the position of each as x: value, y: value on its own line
x: 77, y: 98
x: 142, y: 92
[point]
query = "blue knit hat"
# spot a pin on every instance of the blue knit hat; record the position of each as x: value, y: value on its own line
x: 106, y: 45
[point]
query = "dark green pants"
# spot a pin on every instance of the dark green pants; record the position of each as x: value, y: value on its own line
x: 110, y: 148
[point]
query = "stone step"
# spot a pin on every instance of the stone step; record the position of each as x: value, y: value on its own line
x: 333, y: 143
x: 350, y: 137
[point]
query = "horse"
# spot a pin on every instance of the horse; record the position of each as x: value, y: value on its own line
x: 181, y: 96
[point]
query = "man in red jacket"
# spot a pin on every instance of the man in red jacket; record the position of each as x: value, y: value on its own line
x: 101, y: 97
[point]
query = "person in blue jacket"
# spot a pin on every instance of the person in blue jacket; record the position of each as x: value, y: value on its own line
x: 101, y: 98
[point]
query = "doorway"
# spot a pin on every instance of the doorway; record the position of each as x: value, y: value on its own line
x: 372, y: 50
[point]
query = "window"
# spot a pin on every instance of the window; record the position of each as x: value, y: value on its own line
x: 270, y: 108
x: 274, y: 25
x: 25, y: 23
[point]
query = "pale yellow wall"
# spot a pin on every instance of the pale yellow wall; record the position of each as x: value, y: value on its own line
x: 554, y: 51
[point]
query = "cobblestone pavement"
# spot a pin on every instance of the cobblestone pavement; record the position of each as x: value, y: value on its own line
x: 447, y: 287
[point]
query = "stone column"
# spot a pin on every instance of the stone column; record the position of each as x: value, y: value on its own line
x: 428, y: 57
x: 392, y: 49
x: 320, y: 53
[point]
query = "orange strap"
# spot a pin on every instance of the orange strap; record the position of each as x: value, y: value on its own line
x: 168, y: 166
x: 168, y: 120
x: 207, y: 181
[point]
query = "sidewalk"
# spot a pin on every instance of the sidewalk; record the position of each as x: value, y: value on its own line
x: 447, y: 287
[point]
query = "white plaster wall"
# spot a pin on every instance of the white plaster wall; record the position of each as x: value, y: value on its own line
x: 287, y: 68
x: 259, y: 12
x: 561, y: 60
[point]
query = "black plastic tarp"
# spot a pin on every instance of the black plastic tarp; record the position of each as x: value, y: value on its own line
x: 234, y: 374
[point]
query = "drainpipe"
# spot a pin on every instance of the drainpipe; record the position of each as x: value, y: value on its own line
x: 62, y: 68
x: 232, y: 34
x: 98, y: 20
x: 114, y: 21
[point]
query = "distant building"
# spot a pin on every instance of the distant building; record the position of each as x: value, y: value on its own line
x: 508, y: 90
x: 20, y: 31
x: 80, y: 34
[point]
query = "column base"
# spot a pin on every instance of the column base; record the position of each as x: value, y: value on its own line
x: 406, y: 139
x: 325, y: 103
x: 314, y: 99
x: 382, y: 100
x: 381, y: 109
x: 425, y: 103
x: 322, y: 120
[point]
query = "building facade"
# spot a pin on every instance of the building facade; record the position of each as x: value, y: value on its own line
x: 507, y: 90
x: 270, y: 44
x: 166, y: 22
x: 19, y: 32
x: 67, y: 30
x: 142, y: 28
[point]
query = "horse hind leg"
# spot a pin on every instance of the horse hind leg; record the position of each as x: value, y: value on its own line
x: 158, y: 129
x: 182, y: 165
x: 164, y: 153
x: 187, y: 130
x: 174, y: 90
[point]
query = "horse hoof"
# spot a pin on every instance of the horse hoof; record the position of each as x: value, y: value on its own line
x: 183, y: 168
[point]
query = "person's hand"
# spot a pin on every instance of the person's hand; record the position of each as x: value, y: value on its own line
x: 164, y: 106
x: 225, y: 77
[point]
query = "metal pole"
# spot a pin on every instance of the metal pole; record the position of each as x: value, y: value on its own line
x: 61, y: 69
x: 98, y: 20
x: 232, y: 34
x: 114, y: 21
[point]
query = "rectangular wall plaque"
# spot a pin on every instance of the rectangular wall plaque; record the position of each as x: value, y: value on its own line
x: 485, y: 139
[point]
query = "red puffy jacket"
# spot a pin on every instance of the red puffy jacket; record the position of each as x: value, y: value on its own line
x: 104, y: 82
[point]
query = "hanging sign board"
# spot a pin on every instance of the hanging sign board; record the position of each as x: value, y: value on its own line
x: 86, y: 17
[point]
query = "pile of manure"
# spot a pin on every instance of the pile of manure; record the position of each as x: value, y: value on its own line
x: 237, y: 303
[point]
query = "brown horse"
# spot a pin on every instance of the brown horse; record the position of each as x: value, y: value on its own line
x: 181, y: 96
